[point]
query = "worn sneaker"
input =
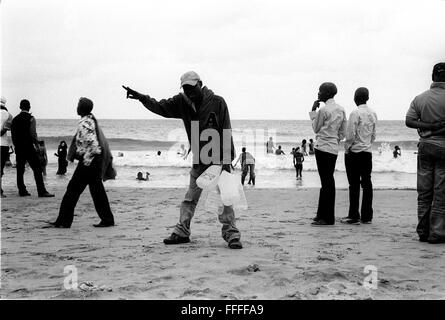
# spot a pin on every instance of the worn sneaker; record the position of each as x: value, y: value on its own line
x: 175, y: 239
x: 355, y: 222
x: 235, y: 244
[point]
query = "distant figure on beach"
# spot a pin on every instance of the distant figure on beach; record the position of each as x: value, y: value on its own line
x: 61, y: 155
x: 26, y: 143
x: 6, y: 119
x: 298, y: 160
x: 90, y: 148
x: 43, y: 157
x: 427, y: 114
x: 120, y: 154
x: 279, y: 151
x: 329, y: 125
x: 304, y: 147
x: 311, y: 147
x: 292, y: 151
x: 208, y: 111
x: 247, y: 165
x: 360, y: 135
x: 397, y: 152
x: 158, y: 153
x: 140, y: 176
x: 270, y: 145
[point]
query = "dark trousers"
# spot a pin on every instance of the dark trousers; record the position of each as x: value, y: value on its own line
x: 431, y: 192
x: 358, y: 170
x: 251, y: 169
x: 326, y: 201
x: 63, y: 163
x: 82, y: 177
x: 298, y: 169
x: 4, y: 157
x: 31, y: 157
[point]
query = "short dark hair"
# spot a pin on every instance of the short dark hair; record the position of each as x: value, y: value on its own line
x: 362, y: 94
x: 439, y: 71
x: 244, y: 149
x: 329, y: 88
x: 25, y: 105
x: 85, y: 105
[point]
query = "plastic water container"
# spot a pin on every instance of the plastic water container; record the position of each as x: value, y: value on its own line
x: 213, y: 202
x: 209, y: 178
x: 232, y: 192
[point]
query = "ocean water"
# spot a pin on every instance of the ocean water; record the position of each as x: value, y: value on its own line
x: 139, y: 141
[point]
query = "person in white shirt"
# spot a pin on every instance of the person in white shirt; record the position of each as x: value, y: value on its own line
x: 360, y: 134
x: 247, y: 164
x: 6, y: 119
x: 329, y: 125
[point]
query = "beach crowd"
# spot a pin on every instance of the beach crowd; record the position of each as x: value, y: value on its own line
x: 205, y: 115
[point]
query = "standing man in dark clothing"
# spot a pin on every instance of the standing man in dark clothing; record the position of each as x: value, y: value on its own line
x: 205, y: 115
x: 427, y: 115
x: 329, y: 124
x: 360, y: 134
x: 24, y: 137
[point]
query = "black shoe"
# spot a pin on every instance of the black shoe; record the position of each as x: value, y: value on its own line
x: 46, y: 195
x: 350, y: 221
x: 322, y: 223
x: 235, y: 244
x: 436, y: 240
x: 175, y: 239
x: 366, y: 221
x: 423, y: 239
x: 24, y: 194
x: 54, y: 225
x: 316, y: 219
x: 103, y: 224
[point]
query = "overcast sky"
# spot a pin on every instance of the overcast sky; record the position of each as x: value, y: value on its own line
x: 266, y: 58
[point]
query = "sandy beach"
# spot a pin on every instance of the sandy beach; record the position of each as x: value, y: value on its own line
x: 283, y: 256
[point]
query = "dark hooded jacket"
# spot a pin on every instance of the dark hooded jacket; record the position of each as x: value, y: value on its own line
x: 211, y: 114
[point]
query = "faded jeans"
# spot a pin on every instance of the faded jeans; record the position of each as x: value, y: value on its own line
x: 227, y: 218
x: 431, y: 191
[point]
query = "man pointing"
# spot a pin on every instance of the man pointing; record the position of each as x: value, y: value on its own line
x: 205, y: 115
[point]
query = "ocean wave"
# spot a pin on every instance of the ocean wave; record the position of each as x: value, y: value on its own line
x: 129, y: 144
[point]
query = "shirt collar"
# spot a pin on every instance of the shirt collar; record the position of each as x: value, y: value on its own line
x: 26, y: 111
x: 438, y: 85
x: 330, y: 101
x: 362, y: 105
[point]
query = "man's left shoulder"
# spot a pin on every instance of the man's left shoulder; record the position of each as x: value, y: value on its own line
x: 219, y: 99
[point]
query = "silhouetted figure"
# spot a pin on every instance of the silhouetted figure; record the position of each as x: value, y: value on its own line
x: 61, y: 155
x: 397, y: 152
x: 26, y: 143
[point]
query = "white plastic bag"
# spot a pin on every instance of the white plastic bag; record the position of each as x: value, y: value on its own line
x: 232, y: 193
x: 213, y: 202
x: 209, y: 178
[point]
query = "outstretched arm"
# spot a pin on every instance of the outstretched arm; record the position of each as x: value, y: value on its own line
x: 167, y: 108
